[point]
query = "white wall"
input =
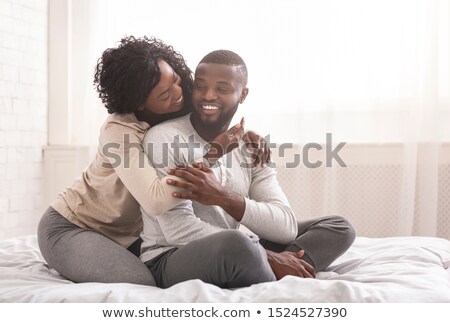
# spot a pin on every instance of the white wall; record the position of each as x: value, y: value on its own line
x: 23, y: 117
x: 23, y: 113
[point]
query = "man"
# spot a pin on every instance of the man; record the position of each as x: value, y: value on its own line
x: 198, y: 239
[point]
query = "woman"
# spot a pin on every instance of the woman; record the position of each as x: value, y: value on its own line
x: 90, y: 233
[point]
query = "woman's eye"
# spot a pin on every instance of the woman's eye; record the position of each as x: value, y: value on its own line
x: 199, y: 87
x: 166, y: 96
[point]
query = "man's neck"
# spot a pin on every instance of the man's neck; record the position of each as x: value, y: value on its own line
x: 207, y: 134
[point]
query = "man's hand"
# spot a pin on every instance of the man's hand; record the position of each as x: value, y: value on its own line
x: 289, y: 263
x: 201, y: 183
x: 203, y: 187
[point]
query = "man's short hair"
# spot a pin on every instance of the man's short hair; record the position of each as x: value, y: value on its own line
x: 228, y: 57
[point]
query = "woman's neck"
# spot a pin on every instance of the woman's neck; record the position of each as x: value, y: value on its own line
x: 151, y: 118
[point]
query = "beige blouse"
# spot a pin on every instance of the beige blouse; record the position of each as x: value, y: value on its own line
x: 108, y: 195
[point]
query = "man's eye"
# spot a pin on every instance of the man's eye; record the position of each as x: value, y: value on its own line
x: 223, y: 89
x: 199, y: 87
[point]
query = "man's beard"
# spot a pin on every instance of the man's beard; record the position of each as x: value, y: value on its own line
x: 216, y: 125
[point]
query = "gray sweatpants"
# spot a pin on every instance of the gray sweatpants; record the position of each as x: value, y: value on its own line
x: 83, y: 255
x: 231, y: 259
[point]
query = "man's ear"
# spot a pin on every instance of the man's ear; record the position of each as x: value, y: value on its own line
x: 244, y: 94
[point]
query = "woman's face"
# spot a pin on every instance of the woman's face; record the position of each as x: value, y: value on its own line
x: 167, y: 96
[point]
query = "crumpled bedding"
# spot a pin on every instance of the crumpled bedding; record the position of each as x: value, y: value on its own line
x: 399, y: 269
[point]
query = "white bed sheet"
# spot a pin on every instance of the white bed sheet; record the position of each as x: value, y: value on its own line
x: 402, y: 269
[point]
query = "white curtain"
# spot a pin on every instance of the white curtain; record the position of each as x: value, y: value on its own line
x: 375, y: 74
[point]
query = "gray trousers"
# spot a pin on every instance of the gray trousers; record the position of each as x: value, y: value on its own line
x: 230, y: 258
x: 83, y: 255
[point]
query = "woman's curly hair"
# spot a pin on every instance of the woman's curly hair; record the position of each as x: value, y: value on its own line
x: 125, y: 75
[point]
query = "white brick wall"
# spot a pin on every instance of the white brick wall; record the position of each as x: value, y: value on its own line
x: 23, y: 113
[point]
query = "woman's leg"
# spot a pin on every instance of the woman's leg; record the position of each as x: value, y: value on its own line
x: 83, y: 255
x: 323, y: 239
x: 226, y: 259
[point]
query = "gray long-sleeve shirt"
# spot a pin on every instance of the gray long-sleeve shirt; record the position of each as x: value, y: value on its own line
x: 267, y: 211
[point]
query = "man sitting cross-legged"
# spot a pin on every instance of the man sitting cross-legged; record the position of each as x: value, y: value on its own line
x: 199, y: 238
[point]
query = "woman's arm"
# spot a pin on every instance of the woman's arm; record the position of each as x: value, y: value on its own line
x: 123, y: 148
x: 126, y: 152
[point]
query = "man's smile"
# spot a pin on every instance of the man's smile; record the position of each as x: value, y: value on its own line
x: 209, y: 109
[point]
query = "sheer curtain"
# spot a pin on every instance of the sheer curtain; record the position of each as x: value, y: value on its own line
x: 374, y: 74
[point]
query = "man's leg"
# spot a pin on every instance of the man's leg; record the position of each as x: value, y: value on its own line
x: 83, y: 255
x: 227, y: 259
x: 323, y: 239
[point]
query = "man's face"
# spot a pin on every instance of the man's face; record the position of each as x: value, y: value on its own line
x: 218, y: 90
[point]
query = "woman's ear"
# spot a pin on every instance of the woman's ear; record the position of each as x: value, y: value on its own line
x: 244, y: 94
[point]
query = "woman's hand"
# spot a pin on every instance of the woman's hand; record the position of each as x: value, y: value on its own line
x: 289, y: 263
x: 257, y: 147
x: 203, y: 187
x: 225, y: 142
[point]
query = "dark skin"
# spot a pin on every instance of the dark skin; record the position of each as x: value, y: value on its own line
x: 167, y: 97
x: 204, y: 188
x: 258, y: 148
x: 200, y: 178
x: 289, y: 263
x: 216, y: 96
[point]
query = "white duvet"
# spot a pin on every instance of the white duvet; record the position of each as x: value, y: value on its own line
x: 404, y: 269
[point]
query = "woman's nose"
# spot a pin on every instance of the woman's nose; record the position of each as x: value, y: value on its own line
x: 177, y: 92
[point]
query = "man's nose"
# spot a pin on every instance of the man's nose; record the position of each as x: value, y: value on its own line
x: 210, y: 95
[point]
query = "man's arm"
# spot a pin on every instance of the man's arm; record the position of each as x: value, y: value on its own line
x: 267, y: 210
x: 205, y: 189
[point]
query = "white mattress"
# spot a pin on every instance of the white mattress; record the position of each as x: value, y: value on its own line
x: 404, y: 269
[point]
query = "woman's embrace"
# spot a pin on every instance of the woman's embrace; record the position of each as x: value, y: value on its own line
x: 90, y: 233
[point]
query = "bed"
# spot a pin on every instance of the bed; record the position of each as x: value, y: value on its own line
x: 400, y: 269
